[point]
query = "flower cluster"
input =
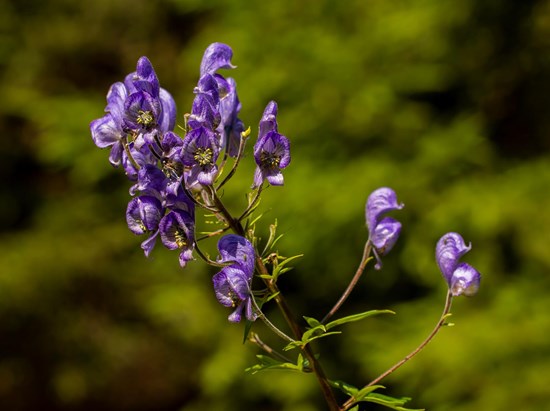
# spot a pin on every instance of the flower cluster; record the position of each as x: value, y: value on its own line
x: 166, y: 169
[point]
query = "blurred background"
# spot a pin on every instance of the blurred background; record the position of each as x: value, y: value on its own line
x: 446, y: 102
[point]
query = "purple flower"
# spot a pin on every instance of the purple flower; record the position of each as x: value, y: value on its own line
x: 230, y: 126
x: 200, y: 152
x: 216, y: 56
x: 143, y: 215
x: 107, y: 132
x: 177, y: 232
x: 233, y: 290
x: 234, y: 248
x: 383, y: 231
x: 271, y: 151
x: 136, y: 108
x: 232, y: 283
x: 462, y: 278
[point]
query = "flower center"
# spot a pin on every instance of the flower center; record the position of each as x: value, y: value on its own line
x: 203, y: 156
x: 181, y: 238
x: 145, y: 118
x: 270, y: 160
x: 172, y: 169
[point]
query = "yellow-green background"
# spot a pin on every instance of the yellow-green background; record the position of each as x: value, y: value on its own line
x: 445, y: 101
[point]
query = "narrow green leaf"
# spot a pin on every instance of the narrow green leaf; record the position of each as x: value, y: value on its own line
x: 390, y: 402
x: 320, y: 329
x: 363, y: 392
x: 356, y: 317
x: 277, y: 269
x: 345, y: 387
x: 268, y: 363
x: 272, y: 296
x: 312, y: 322
x: 247, y: 328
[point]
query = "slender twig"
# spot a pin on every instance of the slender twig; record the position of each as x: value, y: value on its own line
x: 269, y: 324
x: 129, y: 154
x: 255, y: 338
x: 251, y: 204
x: 244, y: 136
x: 213, y: 233
x: 353, y: 282
x: 205, y: 258
x: 442, y: 321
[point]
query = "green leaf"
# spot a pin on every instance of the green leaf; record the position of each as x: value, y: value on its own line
x: 312, y: 322
x: 268, y: 363
x: 303, y: 342
x: 390, y: 402
x: 278, y: 268
x: 247, y: 328
x: 345, y: 387
x: 356, y: 317
x: 363, y: 392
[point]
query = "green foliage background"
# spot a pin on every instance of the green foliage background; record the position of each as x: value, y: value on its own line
x: 446, y: 102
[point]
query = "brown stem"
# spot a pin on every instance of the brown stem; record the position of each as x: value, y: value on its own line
x: 448, y: 301
x: 237, y: 227
x: 353, y: 282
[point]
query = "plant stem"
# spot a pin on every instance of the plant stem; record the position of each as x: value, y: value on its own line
x: 353, y: 282
x: 448, y: 302
x: 237, y: 227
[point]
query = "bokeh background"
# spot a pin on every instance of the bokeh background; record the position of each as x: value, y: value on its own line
x: 446, y: 102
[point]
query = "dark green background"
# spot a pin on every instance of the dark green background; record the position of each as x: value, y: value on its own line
x: 445, y: 101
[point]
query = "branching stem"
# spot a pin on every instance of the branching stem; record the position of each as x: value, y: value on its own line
x: 442, y: 321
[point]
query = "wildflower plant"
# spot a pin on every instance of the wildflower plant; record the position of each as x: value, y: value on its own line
x: 176, y: 171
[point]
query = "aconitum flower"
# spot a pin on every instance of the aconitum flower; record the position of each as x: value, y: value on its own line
x: 230, y: 127
x: 136, y: 109
x: 216, y: 56
x: 271, y: 151
x: 177, y: 233
x: 199, y: 154
x: 383, y: 231
x: 237, y: 249
x: 143, y: 215
x: 232, y: 283
x: 462, y: 278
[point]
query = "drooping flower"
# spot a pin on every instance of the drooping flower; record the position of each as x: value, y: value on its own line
x: 271, y: 151
x: 143, y: 215
x: 462, y: 278
x: 232, y: 283
x: 233, y: 290
x: 383, y: 231
x: 237, y: 249
x: 177, y: 233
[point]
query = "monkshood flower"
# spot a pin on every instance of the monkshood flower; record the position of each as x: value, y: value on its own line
x: 143, y: 215
x: 215, y: 57
x: 234, y: 248
x: 177, y: 233
x: 462, y: 278
x: 232, y: 283
x: 199, y: 154
x: 383, y: 231
x: 230, y: 127
x: 271, y: 151
x: 135, y: 108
